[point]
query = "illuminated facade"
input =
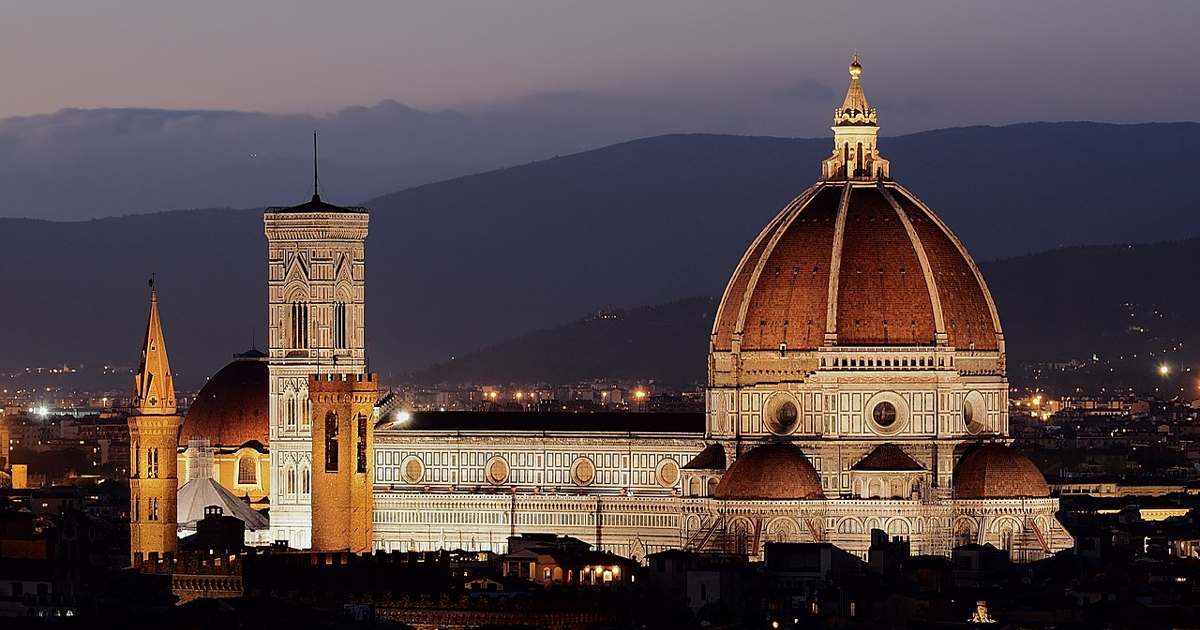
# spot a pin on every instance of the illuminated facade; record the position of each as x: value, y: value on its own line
x: 856, y: 374
x: 315, y: 272
x: 153, y: 426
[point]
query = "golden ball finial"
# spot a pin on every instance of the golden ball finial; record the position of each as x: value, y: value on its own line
x: 855, y: 66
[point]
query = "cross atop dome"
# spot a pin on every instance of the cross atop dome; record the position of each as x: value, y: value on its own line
x: 855, y: 110
x: 855, y: 130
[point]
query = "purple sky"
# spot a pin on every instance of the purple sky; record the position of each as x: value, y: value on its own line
x: 928, y: 64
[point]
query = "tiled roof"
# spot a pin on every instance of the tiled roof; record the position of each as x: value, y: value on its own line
x: 231, y: 409
x: 316, y: 205
x: 711, y: 458
x: 624, y: 422
x: 887, y: 457
x: 777, y: 471
x: 780, y: 291
x: 995, y: 471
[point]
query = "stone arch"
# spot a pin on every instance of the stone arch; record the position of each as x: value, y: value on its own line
x: 692, y: 523
x: 1005, y: 530
x: 783, y: 529
x: 850, y: 525
x: 898, y: 527
x: 741, y: 532
x: 870, y: 523
x: 695, y: 487
x: 966, y: 531
x: 874, y: 489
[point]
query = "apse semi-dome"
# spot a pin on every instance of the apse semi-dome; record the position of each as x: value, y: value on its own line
x: 995, y: 471
x: 232, y: 407
x: 776, y: 471
x: 856, y: 260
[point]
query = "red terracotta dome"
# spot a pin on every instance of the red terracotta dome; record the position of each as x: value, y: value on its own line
x: 995, y: 471
x: 864, y: 263
x: 232, y: 408
x: 776, y: 471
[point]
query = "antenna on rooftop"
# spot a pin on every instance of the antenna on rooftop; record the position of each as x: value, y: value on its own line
x: 316, y: 181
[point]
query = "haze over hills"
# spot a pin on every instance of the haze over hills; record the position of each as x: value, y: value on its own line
x: 459, y: 264
x: 134, y: 160
x: 1097, y: 305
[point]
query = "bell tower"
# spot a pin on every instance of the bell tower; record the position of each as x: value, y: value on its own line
x: 315, y: 316
x: 343, y: 456
x: 153, y: 435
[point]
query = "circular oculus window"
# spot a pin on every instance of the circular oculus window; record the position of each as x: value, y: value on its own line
x: 667, y: 473
x: 974, y: 413
x: 884, y: 414
x: 782, y: 415
x: 497, y: 470
x: 583, y: 471
x: 413, y: 470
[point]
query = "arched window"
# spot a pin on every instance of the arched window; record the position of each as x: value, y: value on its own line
x: 305, y: 481
x: 152, y: 463
x: 331, y: 442
x: 340, y: 325
x: 291, y: 481
x: 152, y: 509
x: 247, y: 471
x: 289, y: 405
x: 299, y: 325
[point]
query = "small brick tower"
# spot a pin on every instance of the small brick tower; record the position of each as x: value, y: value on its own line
x: 343, y: 455
x: 153, y: 435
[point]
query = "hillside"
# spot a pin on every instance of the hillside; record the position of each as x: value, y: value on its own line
x: 462, y: 263
x: 1113, y: 302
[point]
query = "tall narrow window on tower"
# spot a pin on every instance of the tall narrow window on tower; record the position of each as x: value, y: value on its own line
x: 299, y: 325
x: 361, y: 464
x: 152, y: 463
x: 331, y: 442
x: 339, y: 325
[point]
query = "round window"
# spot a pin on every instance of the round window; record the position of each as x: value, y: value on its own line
x: 884, y: 414
x: 782, y: 416
x: 974, y: 413
x: 413, y: 470
x: 583, y: 472
x: 497, y: 470
x: 668, y: 473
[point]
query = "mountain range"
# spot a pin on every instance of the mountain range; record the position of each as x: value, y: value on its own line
x: 456, y: 265
x: 1111, y: 314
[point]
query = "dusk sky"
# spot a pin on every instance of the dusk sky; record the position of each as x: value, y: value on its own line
x: 933, y: 63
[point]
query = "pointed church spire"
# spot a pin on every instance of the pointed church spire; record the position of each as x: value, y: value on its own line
x: 153, y: 386
x: 855, y: 131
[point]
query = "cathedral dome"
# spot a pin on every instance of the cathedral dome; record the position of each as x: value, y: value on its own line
x: 856, y: 260
x: 776, y: 471
x: 232, y: 408
x: 995, y: 471
x: 857, y: 264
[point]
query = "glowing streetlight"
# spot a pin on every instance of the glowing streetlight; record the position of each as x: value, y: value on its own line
x: 1164, y: 369
x: 402, y: 417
